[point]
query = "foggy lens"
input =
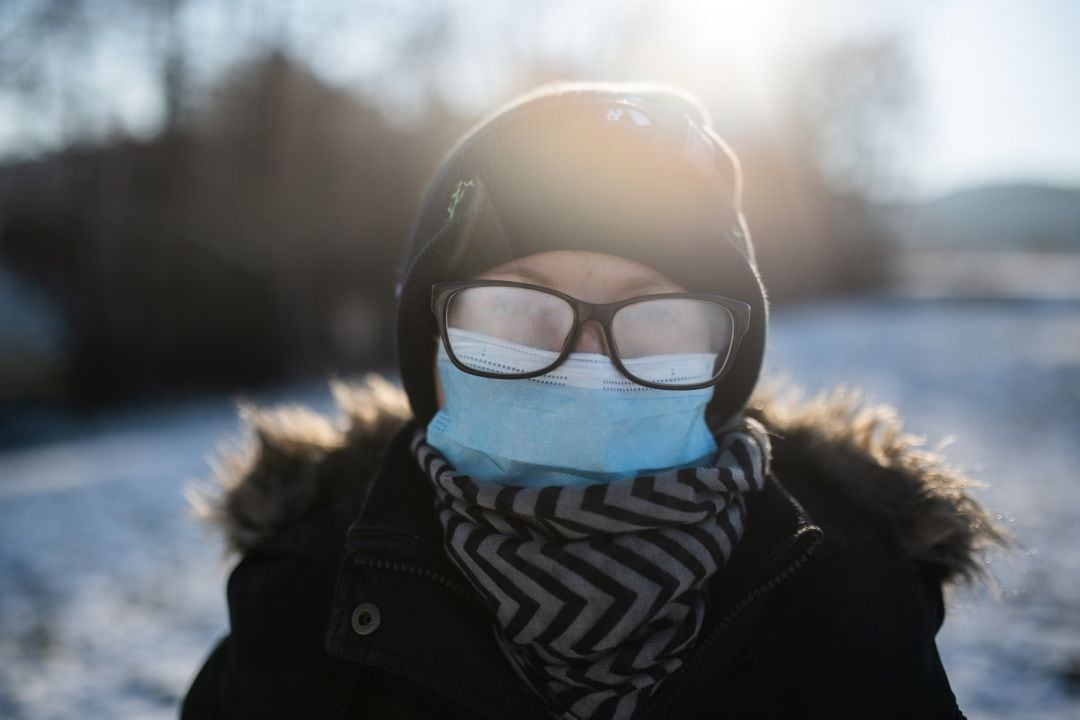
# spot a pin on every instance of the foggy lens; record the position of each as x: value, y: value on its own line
x: 673, y: 341
x: 507, y: 330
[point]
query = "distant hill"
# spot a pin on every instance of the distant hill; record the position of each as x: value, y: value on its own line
x: 998, y: 217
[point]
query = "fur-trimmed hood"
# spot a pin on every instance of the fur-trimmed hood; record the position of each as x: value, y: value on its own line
x: 294, y: 460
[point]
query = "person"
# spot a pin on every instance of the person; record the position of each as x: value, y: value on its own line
x: 580, y: 504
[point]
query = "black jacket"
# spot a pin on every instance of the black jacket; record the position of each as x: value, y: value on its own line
x: 351, y: 609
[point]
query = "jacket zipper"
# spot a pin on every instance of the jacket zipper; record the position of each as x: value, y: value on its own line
x: 760, y: 591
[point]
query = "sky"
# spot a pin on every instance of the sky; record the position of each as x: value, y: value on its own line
x: 997, y: 96
x: 1000, y: 92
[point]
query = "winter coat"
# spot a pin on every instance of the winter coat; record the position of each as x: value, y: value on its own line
x: 345, y: 605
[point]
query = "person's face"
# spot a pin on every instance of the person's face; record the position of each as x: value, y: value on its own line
x: 590, y: 276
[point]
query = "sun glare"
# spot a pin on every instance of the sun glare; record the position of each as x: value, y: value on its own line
x: 753, y: 34
x: 735, y: 47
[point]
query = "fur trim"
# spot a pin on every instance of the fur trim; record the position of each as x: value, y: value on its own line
x: 295, y: 461
x: 861, y: 450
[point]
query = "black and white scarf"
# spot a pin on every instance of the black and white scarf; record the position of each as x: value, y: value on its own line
x: 597, y: 591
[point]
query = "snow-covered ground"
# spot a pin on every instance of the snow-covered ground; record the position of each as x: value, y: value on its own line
x: 110, y: 596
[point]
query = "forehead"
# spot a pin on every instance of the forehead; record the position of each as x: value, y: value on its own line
x: 591, y: 276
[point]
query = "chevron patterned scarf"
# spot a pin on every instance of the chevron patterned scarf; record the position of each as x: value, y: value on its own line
x: 598, y: 591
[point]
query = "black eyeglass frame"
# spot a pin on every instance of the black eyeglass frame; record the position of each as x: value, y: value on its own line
x: 603, y: 313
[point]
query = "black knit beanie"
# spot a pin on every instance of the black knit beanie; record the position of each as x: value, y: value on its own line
x: 632, y: 170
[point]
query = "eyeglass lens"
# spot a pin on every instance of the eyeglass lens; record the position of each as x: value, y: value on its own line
x: 514, y: 330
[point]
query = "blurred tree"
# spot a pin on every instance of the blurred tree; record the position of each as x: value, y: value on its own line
x: 854, y: 105
x: 174, y: 61
x: 811, y: 185
x: 255, y: 241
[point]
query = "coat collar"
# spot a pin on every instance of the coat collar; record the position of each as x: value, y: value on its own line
x: 432, y: 627
x: 780, y: 539
x: 395, y: 553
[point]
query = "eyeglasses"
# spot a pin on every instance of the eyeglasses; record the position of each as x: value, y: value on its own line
x: 505, y: 329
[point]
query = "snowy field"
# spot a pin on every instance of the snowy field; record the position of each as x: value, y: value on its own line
x: 110, y: 597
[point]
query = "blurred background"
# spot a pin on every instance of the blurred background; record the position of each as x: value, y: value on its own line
x: 206, y: 199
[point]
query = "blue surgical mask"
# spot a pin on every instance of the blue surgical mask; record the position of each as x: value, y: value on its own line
x: 582, y: 423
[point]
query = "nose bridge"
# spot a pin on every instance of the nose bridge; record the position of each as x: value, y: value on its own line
x: 590, y: 337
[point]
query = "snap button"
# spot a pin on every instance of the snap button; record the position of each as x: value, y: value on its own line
x: 366, y: 618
